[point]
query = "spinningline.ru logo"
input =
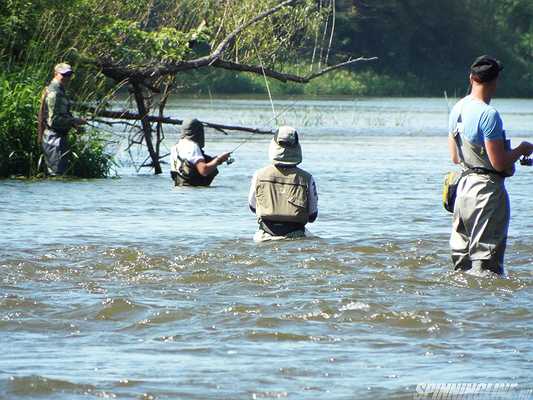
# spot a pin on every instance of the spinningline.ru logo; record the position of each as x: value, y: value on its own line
x: 472, y: 391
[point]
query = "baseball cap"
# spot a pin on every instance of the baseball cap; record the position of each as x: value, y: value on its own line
x: 63, y: 68
x: 486, y: 68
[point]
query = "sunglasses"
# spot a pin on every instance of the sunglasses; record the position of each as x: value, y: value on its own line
x: 67, y: 73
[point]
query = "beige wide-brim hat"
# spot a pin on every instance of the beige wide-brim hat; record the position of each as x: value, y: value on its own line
x: 284, y: 148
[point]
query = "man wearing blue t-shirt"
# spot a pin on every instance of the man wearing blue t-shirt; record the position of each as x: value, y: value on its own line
x: 477, y: 141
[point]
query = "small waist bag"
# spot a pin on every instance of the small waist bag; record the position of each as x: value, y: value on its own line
x: 449, y: 189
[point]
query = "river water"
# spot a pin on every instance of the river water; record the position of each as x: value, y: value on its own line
x: 129, y: 288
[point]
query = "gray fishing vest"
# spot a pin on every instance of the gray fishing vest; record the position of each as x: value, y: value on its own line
x: 281, y: 194
x: 473, y: 156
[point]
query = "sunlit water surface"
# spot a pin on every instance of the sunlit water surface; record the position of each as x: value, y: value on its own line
x: 129, y: 288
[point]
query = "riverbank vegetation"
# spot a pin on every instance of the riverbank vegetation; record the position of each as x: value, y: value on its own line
x: 424, y: 47
x: 338, y: 83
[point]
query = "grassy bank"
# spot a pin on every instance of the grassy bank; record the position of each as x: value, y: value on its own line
x: 340, y: 82
x: 344, y: 82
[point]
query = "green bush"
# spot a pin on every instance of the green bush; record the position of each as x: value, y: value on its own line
x: 89, y: 158
x: 20, y: 154
x: 19, y: 102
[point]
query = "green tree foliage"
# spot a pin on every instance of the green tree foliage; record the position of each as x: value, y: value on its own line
x: 435, y: 41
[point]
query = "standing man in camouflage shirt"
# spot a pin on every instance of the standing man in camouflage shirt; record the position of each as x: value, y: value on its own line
x: 56, y: 120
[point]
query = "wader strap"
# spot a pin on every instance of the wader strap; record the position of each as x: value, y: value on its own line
x: 457, y: 136
x: 470, y: 170
x: 180, y: 171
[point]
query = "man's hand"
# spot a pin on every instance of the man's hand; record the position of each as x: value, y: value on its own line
x: 526, y: 148
x: 221, y: 158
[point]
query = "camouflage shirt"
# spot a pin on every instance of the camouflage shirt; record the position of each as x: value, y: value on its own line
x: 58, y: 115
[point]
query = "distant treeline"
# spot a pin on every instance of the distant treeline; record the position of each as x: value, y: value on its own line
x: 424, y: 47
x: 433, y: 42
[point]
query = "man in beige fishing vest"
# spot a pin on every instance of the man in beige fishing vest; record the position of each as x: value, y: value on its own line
x: 478, y: 142
x: 56, y: 121
x: 283, y: 196
x: 189, y: 165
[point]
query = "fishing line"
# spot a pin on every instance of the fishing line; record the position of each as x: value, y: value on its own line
x: 276, y: 115
x: 290, y: 106
x: 266, y: 82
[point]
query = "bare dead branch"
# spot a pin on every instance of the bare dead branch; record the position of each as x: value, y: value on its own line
x: 257, y: 69
x: 128, y: 115
x: 221, y: 130
x: 220, y: 127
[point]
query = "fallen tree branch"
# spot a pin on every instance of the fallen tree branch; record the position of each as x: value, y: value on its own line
x: 129, y: 116
x: 283, y: 77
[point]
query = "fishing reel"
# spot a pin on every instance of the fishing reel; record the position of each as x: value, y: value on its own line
x: 230, y: 160
x: 526, y: 161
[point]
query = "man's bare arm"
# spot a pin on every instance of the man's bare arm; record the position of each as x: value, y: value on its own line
x: 205, y: 169
x: 502, y: 159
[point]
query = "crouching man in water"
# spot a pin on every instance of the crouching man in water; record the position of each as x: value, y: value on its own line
x: 283, y: 196
x: 189, y: 165
x: 56, y: 120
x: 477, y: 141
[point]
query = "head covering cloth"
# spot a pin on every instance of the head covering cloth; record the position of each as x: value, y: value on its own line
x: 193, y: 129
x: 285, y: 149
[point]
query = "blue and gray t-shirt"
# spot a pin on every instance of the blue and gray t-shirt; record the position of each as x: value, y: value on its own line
x: 481, y: 121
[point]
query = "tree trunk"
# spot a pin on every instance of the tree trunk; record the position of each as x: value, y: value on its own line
x: 147, y: 127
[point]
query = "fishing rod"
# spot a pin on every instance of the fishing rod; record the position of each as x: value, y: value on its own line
x: 447, y: 102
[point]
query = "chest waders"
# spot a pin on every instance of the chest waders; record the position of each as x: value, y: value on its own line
x: 188, y: 175
x: 282, y: 200
x: 481, y: 213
